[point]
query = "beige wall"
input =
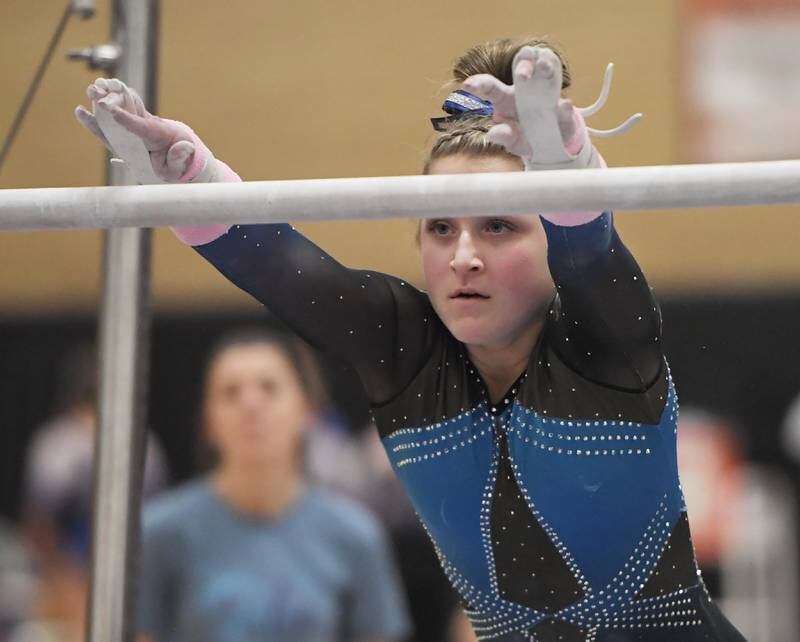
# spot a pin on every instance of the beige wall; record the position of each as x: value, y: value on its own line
x: 344, y: 88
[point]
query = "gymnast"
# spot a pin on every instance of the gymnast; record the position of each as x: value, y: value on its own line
x: 523, y: 398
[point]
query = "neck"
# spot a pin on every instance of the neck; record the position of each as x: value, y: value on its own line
x: 259, y: 490
x: 502, y: 364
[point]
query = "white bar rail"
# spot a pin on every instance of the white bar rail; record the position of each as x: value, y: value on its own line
x: 622, y: 188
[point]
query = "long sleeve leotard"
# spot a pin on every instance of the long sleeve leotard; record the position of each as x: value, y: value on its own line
x: 556, y: 511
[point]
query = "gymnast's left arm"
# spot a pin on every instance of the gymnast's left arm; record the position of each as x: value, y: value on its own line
x: 604, y: 321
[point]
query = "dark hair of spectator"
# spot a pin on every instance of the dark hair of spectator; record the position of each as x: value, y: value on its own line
x: 296, y: 351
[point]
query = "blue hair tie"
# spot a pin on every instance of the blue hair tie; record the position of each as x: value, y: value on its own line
x: 461, y: 104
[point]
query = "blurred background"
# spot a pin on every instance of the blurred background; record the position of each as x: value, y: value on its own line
x: 334, y: 89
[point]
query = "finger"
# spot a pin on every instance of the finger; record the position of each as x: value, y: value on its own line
x: 531, y: 61
x: 155, y: 134
x: 178, y: 159
x: 537, y: 100
x: 137, y: 102
x: 132, y: 122
x: 102, y: 83
x: 131, y: 100
x: 524, y: 70
x: 87, y: 119
x: 117, y: 94
x: 505, y: 134
x: 95, y: 93
x: 128, y: 102
x: 524, y: 65
x: 115, y: 84
x: 111, y: 100
x: 496, y: 92
x: 488, y: 86
x: 122, y: 96
x: 546, y: 67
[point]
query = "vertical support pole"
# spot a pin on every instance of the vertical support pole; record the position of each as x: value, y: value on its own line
x: 124, y: 349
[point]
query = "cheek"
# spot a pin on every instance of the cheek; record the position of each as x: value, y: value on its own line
x: 221, y: 428
x: 217, y: 419
x: 435, y: 267
x: 290, y: 415
x: 523, y: 273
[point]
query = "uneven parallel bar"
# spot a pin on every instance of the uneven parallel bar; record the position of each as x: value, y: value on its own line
x: 624, y: 188
x: 124, y: 356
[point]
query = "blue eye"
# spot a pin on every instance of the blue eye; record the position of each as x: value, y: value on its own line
x: 498, y: 226
x: 439, y: 228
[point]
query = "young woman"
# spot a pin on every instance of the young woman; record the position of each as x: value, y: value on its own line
x: 523, y: 399
x: 251, y: 552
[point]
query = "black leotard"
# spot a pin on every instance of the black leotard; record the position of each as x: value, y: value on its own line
x: 557, y: 511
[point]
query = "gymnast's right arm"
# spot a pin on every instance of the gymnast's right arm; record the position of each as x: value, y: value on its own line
x: 374, y: 322
x: 377, y: 323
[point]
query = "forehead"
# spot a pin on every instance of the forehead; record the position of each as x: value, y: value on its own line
x: 464, y: 164
x: 249, y: 359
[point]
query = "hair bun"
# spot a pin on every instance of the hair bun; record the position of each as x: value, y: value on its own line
x: 495, y: 57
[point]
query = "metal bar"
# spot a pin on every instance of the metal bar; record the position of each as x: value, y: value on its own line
x: 625, y: 188
x: 124, y: 348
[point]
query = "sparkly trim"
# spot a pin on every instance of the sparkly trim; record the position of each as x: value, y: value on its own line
x: 613, y: 607
x: 551, y: 533
x: 505, y: 618
x: 616, y: 606
x: 445, y: 443
x: 437, y: 425
x: 466, y: 100
x: 561, y: 443
x: 486, y: 514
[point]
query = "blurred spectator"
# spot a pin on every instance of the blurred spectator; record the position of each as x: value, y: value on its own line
x: 17, y: 582
x: 743, y: 526
x: 57, y: 506
x: 252, y: 551
x: 791, y: 431
x: 711, y: 464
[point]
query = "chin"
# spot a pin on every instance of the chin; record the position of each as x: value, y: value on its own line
x: 256, y: 456
x: 253, y: 461
x: 473, y: 331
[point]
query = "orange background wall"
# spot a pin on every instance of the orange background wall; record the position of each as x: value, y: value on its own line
x: 344, y: 88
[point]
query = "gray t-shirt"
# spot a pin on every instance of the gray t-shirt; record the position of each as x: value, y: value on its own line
x: 321, y: 572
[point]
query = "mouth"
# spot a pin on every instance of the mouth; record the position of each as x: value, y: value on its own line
x: 468, y: 295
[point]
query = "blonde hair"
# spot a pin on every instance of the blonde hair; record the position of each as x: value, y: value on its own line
x: 467, y: 135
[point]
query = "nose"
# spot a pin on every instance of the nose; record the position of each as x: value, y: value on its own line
x: 251, y: 399
x: 466, y: 257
